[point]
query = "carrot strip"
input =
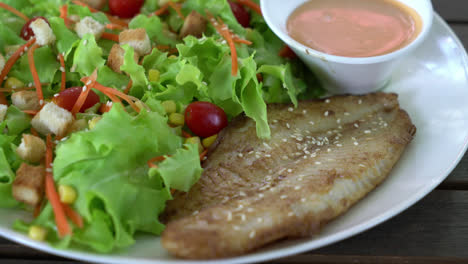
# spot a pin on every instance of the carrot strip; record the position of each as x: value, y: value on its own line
x: 203, y: 155
x: 73, y: 215
x: 32, y: 67
x: 177, y: 8
x: 30, y: 112
x: 64, y: 74
x: 37, y: 209
x: 106, y: 107
x: 113, y: 26
x: 3, y: 99
x: 60, y: 219
x: 161, y: 10
x: 227, y: 35
x: 241, y: 41
x: 111, y: 18
x: 129, y: 87
x: 108, y: 90
x: 14, y: 11
x: 88, y: 81
x: 64, y: 15
x: 34, y: 132
x: 252, y: 5
x: 12, y: 60
x: 110, y: 36
x: 155, y: 159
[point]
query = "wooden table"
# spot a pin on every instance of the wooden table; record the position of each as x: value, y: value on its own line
x: 435, y: 230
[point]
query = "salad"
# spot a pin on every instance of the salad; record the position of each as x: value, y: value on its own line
x: 106, y: 108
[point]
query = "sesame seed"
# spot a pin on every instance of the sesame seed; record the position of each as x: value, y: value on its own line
x: 261, y: 195
x: 241, y: 193
x: 367, y: 131
x: 267, y: 156
x: 242, y: 217
x: 55, y: 95
x: 360, y: 101
x: 195, y: 213
x: 304, y: 112
x: 285, y: 157
x: 318, y: 162
x: 289, y: 170
x: 275, y: 121
x: 149, y: 87
x: 49, y: 170
x: 290, y: 109
x: 327, y: 101
x: 290, y: 214
x: 85, y: 42
x: 252, y: 234
x: 250, y: 210
x: 284, y: 140
x: 297, y: 188
x: 362, y: 165
x: 236, y: 227
x: 41, y: 102
x: 266, y: 145
x: 259, y: 219
x: 303, y: 200
x: 356, y: 125
x: 311, y: 122
x: 346, y: 114
x: 326, y: 113
x: 240, y: 155
x: 84, y: 88
x: 288, y: 125
x: 339, y: 145
x: 283, y: 196
x: 62, y: 69
x: 229, y: 216
x: 355, y: 143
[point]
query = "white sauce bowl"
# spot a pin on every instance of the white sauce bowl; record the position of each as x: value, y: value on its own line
x: 345, y: 75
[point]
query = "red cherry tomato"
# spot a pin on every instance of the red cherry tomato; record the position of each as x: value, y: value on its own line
x: 240, y: 13
x: 26, y: 32
x: 125, y: 8
x: 205, y: 119
x: 67, y: 99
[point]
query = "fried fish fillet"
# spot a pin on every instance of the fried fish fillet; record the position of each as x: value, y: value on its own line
x: 323, y: 156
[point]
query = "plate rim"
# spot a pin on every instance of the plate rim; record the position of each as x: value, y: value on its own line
x: 290, y: 250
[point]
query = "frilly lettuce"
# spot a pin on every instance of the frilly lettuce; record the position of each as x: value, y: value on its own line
x: 87, y: 56
x: 135, y: 71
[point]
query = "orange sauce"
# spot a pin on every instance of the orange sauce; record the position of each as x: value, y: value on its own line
x: 354, y: 28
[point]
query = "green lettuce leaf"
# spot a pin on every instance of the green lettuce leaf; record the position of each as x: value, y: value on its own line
x: 16, y: 120
x: 87, y: 56
x: 154, y: 28
x: 7, y: 156
x: 65, y: 38
x: 135, y: 71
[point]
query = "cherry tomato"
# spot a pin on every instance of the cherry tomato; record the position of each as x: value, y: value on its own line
x: 240, y: 13
x: 26, y: 32
x: 205, y: 119
x: 67, y: 99
x: 125, y: 8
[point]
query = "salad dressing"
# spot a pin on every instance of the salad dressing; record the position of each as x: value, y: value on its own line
x: 358, y: 28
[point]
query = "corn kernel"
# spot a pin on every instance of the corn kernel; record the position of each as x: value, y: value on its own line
x: 93, y: 122
x: 172, y: 57
x: 67, y: 194
x: 13, y: 83
x: 153, y: 75
x: 195, y: 140
x: 37, y: 233
x: 176, y: 119
x: 207, y: 142
x: 169, y: 106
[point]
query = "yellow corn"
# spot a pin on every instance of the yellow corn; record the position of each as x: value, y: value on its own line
x: 153, y: 75
x: 67, y: 194
x: 207, y: 142
x: 176, y: 119
x: 13, y: 83
x: 37, y: 233
x: 172, y: 57
x: 195, y: 140
x: 93, y: 122
x: 169, y: 106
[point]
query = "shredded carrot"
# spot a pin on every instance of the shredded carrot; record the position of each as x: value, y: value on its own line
x: 32, y: 68
x: 34, y: 132
x: 287, y: 52
x: 155, y: 159
x: 60, y: 218
x: 110, y: 36
x: 163, y: 9
x: 177, y: 8
x: 105, y: 107
x: 203, y: 154
x: 113, y: 26
x: 12, y: 60
x: 226, y: 34
x: 186, y: 134
x: 111, y: 18
x: 88, y: 81
x: 73, y: 215
x: 259, y: 77
x: 14, y: 11
x: 129, y: 87
x: 64, y: 15
x: 30, y: 112
x: 64, y: 74
x: 241, y: 41
x: 110, y: 91
x: 252, y: 5
x: 37, y: 209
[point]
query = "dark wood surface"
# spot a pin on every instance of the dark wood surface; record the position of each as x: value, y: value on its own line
x: 435, y: 230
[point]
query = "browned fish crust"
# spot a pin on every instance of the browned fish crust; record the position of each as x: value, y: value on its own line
x: 323, y: 157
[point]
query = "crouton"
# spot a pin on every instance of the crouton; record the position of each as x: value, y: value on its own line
x: 32, y: 149
x: 136, y: 38
x: 116, y: 58
x: 52, y: 119
x: 42, y: 31
x: 26, y: 100
x: 28, y: 186
x: 89, y: 25
x: 2, y: 62
x: 194, y: 25
x: 97, y: 4
x: 3, y: 111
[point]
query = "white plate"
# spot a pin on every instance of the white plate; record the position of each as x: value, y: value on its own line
x: 433, y: 88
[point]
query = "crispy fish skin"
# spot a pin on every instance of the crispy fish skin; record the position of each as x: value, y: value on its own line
x: 323, y: 157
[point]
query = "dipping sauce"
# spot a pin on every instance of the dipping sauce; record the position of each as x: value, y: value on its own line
x: 354, y: 28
